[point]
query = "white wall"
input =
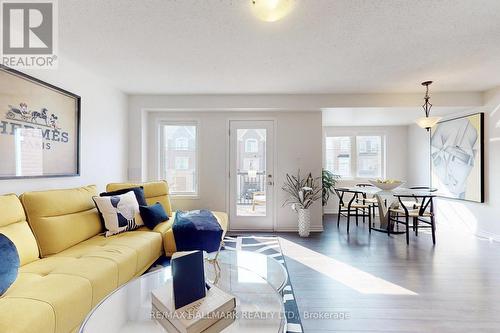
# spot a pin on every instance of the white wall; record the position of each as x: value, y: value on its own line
x: 419, y: 172
x: 482, y: 219
x: 298, y: 145
x: 103, y: 130
x: 396, y: 156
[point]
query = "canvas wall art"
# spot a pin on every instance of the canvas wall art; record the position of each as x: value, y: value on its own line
x: 39, y: 128
x: 457, y: 167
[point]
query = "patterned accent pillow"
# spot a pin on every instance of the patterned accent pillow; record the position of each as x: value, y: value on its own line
x: 120, y: 212
x: 138, y: 191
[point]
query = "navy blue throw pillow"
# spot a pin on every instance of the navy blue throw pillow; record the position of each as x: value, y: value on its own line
x: 138, y: 191
x: 153, y: 215
x: 9, y: 263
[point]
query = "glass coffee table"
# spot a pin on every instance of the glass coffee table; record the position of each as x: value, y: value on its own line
x: 254, y: 279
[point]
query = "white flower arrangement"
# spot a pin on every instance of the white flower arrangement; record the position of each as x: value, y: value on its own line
x: 303, y: 192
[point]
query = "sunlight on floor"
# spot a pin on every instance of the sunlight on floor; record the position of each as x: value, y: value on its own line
x: 453, y: 213
x: 348, y: 275
x: 248, y: 265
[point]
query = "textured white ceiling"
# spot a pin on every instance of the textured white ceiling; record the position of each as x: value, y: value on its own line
x: 323, y: 46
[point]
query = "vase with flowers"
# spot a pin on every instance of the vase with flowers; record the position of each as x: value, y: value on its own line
x: 302, y: 193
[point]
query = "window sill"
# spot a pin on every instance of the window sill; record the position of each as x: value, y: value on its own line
x: 184, y: 196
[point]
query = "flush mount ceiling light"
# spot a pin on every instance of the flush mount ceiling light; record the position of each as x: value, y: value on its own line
x: 427, y: 122
x: 271, y: 10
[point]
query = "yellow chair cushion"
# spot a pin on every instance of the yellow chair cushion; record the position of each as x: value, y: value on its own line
x: 62, y: 218
x: 13, y: 225
x: 153, y: 191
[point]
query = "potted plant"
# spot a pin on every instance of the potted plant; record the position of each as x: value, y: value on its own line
x: 302, y: 193
x: 329, y: 180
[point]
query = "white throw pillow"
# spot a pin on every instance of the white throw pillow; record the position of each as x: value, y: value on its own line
x: 120, y: 212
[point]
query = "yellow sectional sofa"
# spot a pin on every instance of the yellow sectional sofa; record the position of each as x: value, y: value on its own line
x: 67, y: 265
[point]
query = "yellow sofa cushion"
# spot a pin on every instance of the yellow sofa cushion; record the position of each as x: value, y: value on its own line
x: 68, y: 296
x: 13, y: 225
x: 131, y: 252
x: 63, y: 288
x: 153, y: 191
x: 62, y: 218
x: 100, y: 274
x: 17, y: 315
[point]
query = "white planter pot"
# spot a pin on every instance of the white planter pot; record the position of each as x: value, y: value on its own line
x: 304, y: 222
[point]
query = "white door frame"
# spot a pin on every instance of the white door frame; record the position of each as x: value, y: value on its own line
x: 275, y: 168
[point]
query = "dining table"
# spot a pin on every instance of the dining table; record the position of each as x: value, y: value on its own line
x: 386, y: 200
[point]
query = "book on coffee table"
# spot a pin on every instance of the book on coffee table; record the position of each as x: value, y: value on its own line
x: 216, y: 308
x: 188, y: 277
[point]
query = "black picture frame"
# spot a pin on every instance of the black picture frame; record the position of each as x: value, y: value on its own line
x: 481, y: 157
x: 77, y: 136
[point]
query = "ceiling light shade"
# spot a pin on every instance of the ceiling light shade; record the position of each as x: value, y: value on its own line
x: 428, y: 122
x: 271, y: 10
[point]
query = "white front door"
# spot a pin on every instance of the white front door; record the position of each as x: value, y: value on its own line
x: 251, y: 175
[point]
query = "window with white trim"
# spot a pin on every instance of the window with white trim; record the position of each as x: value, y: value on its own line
x: 355, y: 156
x: 369, y: 156
x: 179, y: 157
x: 338, y: 155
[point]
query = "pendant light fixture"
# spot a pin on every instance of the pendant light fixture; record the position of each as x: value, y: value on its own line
x: 271, y: 10
x: 427, y: 122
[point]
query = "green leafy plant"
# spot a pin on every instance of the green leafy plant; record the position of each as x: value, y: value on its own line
x: 302, y: 192
x: 329, y: 181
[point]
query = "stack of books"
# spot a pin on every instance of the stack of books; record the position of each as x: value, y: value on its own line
x: 187, y: 304
x: 211, y: 314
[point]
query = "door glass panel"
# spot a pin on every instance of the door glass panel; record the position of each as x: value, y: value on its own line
x: 251, y: 172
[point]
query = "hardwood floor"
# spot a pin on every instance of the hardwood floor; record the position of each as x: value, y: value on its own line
x: 383, y: 285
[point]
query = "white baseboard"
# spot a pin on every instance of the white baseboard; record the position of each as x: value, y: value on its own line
x: 329, y: 211
x: 313, y: 229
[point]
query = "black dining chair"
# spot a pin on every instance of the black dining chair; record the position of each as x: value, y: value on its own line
x: 355, y: 207
x: 422, y: 212
x: 372, y: 200
x: 413, y: 203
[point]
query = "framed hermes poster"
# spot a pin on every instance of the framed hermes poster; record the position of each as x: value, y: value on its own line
x: 457, y: 158
x: 39, y: 128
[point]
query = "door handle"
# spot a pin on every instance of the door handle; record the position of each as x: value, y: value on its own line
x: 270, y: 183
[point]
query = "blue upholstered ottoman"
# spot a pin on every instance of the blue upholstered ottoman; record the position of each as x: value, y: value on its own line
x: 197, y: 230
